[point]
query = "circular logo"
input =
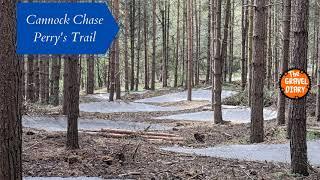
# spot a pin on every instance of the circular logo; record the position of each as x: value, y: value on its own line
x: 295, y: 84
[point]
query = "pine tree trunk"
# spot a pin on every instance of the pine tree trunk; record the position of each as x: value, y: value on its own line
x: 132, y: 29
x: 231, y: 40
x: 36, y: 67
x: 209, y: 55
x: 146, y: 62
x: 259, y: 54
x: 318, y: 75
x: 23, y: 71
x: 297, y: 108
x: 167, y: 44
x: 190, y: 49
x: 224, y: 47
x: 196, y: 61
x: 269, y: 64
x: 10, y: 96
x: 42, y: 80
x: 112, y: 72
x: 250, y: 53
x: 177, y: 47
x: 30, y: 79
x: 65, y: 86
x: 47, y: 79
x: 184, y: 82
x: 90, y: 74
x: 217, y: 67
x: 117, y: 54
x: 137, y: 82
x: 315, y: 42
x: 73, y: 88
x: 244, y: 28
x: 184, y: 52
x: 213, y: 47
x: 276, y: 47
x: 154, y: 39
x: 285, y: 58
x: 126, y: 55
x: 55, y: 79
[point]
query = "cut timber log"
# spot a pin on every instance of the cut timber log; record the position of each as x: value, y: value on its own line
x: 116, y: 133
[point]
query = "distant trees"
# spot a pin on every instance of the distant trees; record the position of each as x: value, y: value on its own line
x: 10, y: 95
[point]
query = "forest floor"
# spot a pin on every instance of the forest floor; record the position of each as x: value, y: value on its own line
x: 138, y: 156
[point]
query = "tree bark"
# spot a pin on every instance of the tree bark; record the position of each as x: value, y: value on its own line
x: 30, y: 79
x: 318, y: 79
x: 146, y: 62
x: 231, y: 41
x: 65, y: 86
x: 10, y: 96
x: 90, y: 74
x: 132, y: 38
x: 36, y: 67
x: 285, y: 58
x: 244, y: 29
x: 117, y: 54
x: 209, y: 54
x: 258, y: 76
x: 47, y: 79
x: 73, y: 89
x: 269, y: 62
x: 154, y: 39
x: 177, y: 47
x: 190, y: 49
x: 217, y: 68
x: 250, y: 53
x: 126, y: 54
x: 224, y: 48
x: 55, y: 79
x: 42, y: 79
x: 112, y: 72
x: 297, y: 108
x: 196, y: 60
x: 137, y: 80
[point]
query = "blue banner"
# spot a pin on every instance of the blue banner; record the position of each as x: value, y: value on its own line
x: 64, y: 28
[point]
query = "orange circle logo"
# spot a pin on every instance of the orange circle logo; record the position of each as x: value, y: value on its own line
x: 295, y: 84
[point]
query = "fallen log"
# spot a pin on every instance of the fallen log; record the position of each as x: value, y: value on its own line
x: 118, y: 131
x: 113, y: 135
